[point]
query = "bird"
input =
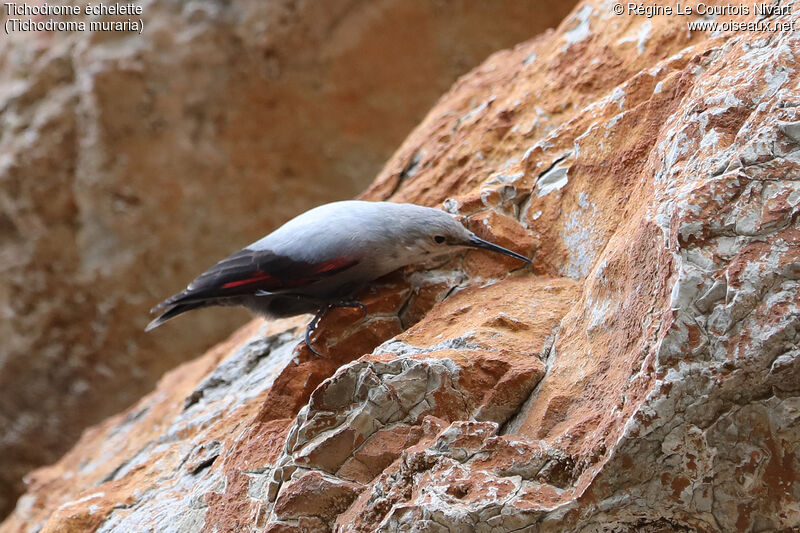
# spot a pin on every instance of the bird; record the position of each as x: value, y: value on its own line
x: 320, y: 259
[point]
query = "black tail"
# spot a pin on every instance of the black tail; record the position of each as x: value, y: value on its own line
x: 174, y: 310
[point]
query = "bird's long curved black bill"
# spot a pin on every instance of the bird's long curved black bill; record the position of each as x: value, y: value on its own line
x: 477, y: 242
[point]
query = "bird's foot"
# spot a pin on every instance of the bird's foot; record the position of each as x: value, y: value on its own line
x: 312, y: 326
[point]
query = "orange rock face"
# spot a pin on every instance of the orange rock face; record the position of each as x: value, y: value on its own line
x: 129, y: 163
x: 642, y: 375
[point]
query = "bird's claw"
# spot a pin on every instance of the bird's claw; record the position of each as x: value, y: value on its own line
x: 309, y: 331
x: 312, y: 326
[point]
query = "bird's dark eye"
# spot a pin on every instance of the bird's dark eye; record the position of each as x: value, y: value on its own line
x: 439, y: 239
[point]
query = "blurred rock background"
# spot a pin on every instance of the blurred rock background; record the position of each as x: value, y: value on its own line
x: 129, y: 163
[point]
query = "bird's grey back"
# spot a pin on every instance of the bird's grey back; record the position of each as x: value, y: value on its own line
x: 351, y: 228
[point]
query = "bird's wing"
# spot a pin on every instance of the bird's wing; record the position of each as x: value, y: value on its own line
x: 249, y: 271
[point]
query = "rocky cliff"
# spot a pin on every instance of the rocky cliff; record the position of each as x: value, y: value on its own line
x: 130, y: 162
x: 643, y: 375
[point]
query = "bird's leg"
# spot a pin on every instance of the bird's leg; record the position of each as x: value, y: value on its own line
x: 312, y: 326
x: 324, y: 308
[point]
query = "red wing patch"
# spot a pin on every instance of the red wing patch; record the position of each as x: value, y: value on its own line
x: 257, y: 277
x: 332, y: 266
x: 249, y: 271
x: 305, y: 276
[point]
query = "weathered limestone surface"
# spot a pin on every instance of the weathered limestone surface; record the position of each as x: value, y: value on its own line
x: 643, y: 375
x: 128, y: 163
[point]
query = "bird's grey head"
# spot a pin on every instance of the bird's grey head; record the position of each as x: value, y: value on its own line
x: 431, y: 233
